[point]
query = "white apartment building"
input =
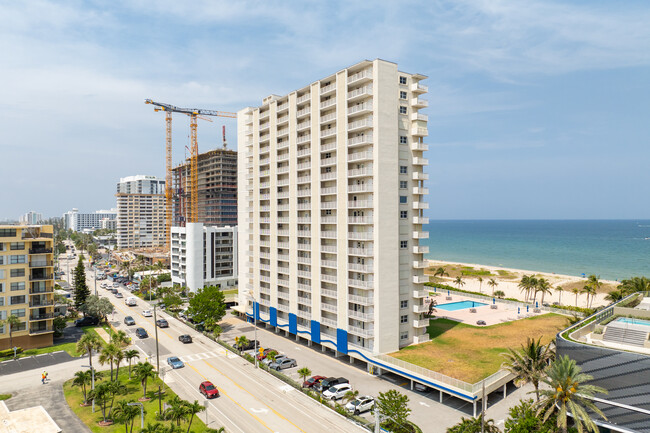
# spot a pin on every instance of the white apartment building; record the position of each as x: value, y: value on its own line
x: 79, y: 222
x: 108, y: 223
x: 204, y: 256
x: 31, y: 218
x: 331, y: 201
x: 140, y: 212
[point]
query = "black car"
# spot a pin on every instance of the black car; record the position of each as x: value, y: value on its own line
x: 250, y: 344
x: 185, y: 338
x: 114, y: 291
x: 330, y: 381
x: 128, y: 320
x: 162, y: 323
x: 86, y: 321
x: 141, y: 333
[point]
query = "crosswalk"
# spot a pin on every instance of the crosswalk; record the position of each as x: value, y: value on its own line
x: 202, y: 355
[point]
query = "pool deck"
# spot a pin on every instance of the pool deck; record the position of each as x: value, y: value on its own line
x: 503, y: 312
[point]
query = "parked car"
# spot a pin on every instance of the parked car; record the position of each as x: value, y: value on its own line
x: 185, y: 338
x: 175, y: 362
x: 147, y: 313
x: 337, y: 392
x: 119, y: 295
x: 250, y: 344
x: 268, y: 360
x: 281, y: 364
x: 86, y: 321
x: 116, y: 285
x: 360, y: 404
x: 330, y: 381
x: 128, y: 320
x: 264, y: 354
x: 141, y: 333
x: 312, y: 381
x: 208, y: 389
x: 162, y: 323
x: 114, y: 291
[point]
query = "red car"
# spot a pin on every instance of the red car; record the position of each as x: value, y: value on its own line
x: 309, y: 383
x: 264, y: 354
x: 208, y: 389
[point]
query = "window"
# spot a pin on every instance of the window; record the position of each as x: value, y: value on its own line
x: 328, y: 212
x: 14, y: 300
x: 403, y: 184
x: 404, y: 335
x: 402, y: 80
x: 403, y: 304
x: 402, y: 95
x: 403, y: 244
x: 2, y: 246
x: 403, y: 199
x: 2, y: 260
x: 18, y: 313
x: 402, y: 110
x: 404, y: 318
x: 404, y: 214
x: 17, y: 259
x: 403, y: 139
x: 8, y: 233
x: 20, y: 327
x: 17, y: 246
x: 2, y: 287
x: 18, y: 286
x: 17, y: 273
x: 403, y: 169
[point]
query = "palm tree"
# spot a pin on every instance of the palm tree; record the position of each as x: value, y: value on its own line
x: 120, y: 339
x: 499, y: 294
x: 304, y: 372
x: 192, y: 409
x: 143, y: 372
x: 350, y: 395
x: 614, y: 296
x: 492, y: 283
x: 633, y: 285
x: 559, y: 291
x: 459, y: 282
x: 119, y: 357
x: 129, y: 355
x: 108, y: 355
x: 81, y: 379
x: 529, y: 363
x: 524, y: 285
x: 126, y: 414
x: 152, y: 428
x: 176, y: 411
x: 567, y: 392
x: 576, y: 291
x: 440, y: 272
x: 544, y: 287
x: 473, y: 425
x: 115, y: 388
x: 87, y: 343
x: 241, y: 342
x: 590, y: 291
x: 594, y: 281
x: 101, y: 395
x: 480, y: 284
x: 11, y: 322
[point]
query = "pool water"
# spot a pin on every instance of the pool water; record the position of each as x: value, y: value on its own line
x: 630, y: 321
x: 453, y: 306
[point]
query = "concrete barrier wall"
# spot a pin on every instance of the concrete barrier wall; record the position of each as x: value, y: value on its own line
x: 624, y: 311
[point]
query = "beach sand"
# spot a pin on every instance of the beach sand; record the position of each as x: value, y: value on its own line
x: 508, y: 280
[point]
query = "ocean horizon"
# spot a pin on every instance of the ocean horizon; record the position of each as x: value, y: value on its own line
x: 612, y: 249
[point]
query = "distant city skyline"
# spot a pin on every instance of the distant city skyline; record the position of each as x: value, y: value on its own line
x: 536, y: 110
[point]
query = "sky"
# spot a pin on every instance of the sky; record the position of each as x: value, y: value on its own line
x: 537, y: 109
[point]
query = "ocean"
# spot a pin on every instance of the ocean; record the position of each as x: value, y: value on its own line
x: 613, y: 249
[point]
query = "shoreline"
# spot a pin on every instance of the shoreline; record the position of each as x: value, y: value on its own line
x: 509, y: 285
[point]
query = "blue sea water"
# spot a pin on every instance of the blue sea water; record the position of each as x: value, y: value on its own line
x: 613, y: 249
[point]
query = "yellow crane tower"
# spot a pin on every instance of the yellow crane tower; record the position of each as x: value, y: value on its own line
x: 194, y: 113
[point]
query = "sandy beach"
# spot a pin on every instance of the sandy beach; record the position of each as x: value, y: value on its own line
x: 508, y: 280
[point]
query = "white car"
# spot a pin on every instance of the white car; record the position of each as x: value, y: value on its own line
x: 337, y: 392
x: 360, y: 405
x: 147, y: 313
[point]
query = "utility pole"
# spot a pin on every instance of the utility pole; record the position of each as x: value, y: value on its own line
x: 377, y: 419
x: 156, y: 332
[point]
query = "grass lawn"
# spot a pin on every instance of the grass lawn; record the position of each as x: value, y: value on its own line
x: 68, y: 347
x: 471, y: 353
x: 5, y: 396
x: 74, y: 397
x: 230, y: 292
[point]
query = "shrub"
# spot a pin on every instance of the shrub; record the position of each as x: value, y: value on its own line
x: 10, y: 352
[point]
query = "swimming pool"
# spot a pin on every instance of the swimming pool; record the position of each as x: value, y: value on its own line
x: 453, y: 306
x: 630, y: 321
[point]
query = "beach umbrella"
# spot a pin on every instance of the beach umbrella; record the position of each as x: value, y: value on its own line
x: 518, y: 310
x: 494, y: 301
x: 526, y: 308
x: 448, y: 293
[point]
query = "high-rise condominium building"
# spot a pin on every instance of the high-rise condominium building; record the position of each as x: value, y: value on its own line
x: 31, y: 218
x: 217, y: 185
x: 331, y: 203
x: 140, y: 212
x: 26, y: 285
x: 79, y: 222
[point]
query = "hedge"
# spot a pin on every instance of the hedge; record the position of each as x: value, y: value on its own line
x: 10, y: 352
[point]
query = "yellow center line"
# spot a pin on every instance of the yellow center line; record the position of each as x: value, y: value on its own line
x: 231, y: 399
x: 248, y: 392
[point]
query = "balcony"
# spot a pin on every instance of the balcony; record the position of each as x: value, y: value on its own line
x: 361, y: 283
x: 329, y: 264
x: 360, y: 204
x: 360, y: 124
x: 328, y: 191
x: 328, y: 205
x: 303, y: 125
x: 265, y: 290
x: 304, y: 98
x: 264, y: 126
x: 331, y: 234
x: 360, y: 172
x: 283, y: 295
x: 363, y: 108
x: 304, y: 179
x: 304, y: 233
x: 304, y: 139
x: 332, y: 308
x: 282, y: 132
x: 419, y: 264
x: 40, y: 250
x: 363, y: 252
x: 282, y: 120
x: 420, y: 161
x: 360, y: 220
x: 361, y: 316
x: 420, y: 117
x: 282, y: 107
x: 421, y: 323
x: 41, y: 303
x: 420, y: 205
x: 418, y: 175
x: 327, y: 147
x: 420, y: 220
x: 304, y: 260
x: 264, y: 115
x: 360, y: 235
x: 329, y: 322
x: 304, y: 287
x: 34, y: 318
x: 328, y: 89
x: 303, y: 314
x: 327, y: 161
x: 419, y: 88
x: 328, y: 103
x: 265, y: 302
x: 361, y: 300
x: 360, y: 93
x: 419, y: 309
x: 357, y: 267
x: 421, y: 147
x: 304, y: 193
x: 419, y: 103
x: 419, y: 131
x: 331, y: 219
x: 420, y: 279
x: 41, y: 264
x: 304, y: 274
x: 417, y: 339
x: 360, y: 156
x: 420, y: 190
x: 304, y: 166
x: 304, y: 112
x: 420, y: 235
x: 303, y: 152
x: 304, y: 246
x: 43, y: 290
x: 420, y: 293
x: 328, y: 118
x: 40, y: 330
x: 328, y: 248
x: 328, y: 278
x: 328, y: 176
x: 40, y: 277
x: 361, y: 332
x: 360, y: 77
x: 329, y: 293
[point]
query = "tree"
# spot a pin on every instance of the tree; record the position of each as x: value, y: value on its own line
x: 499, y: 294
x: 119, y: 357
x: 129, y: 355
x: 207, y: 303
x: 125, y: 413
x: 633, y: 285
x: 96, y: 307
x: 473, y: 425
x: 87, y: 343
x: 172, y: 300
x: 304, y: 372
x: 590, y: 291
x: 614, y: 296
x: 240, y: 342
x: 108, y: 355
x: 152, y: 428
x: 527, y: 284
x: 120, y: 339
x: 492, y: 283
x: 143, y: 372
x: 544, y: 287
x: 115, y: 388
x: 459, y: 282
x: 176, y: 411
x: 529, y: 363
x: 559, y: 291
x: 126, y: 266
x: 568, y: 392
x: 393, y: 407
x: 101, y: 395
x: 81, y: 379
x: 480, y: 284
x: 441, y: 272
x: 350, y: 395
x: 576, y: 291
x: 58, y: 325
x: 11, y: 322
x: 191, y: 409
x: 523, y: 419
x: 432, y: 308
x: 81, y: 290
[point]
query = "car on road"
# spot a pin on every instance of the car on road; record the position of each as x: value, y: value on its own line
x: 131, y: 301
x: 360, y: 404
x: 312, y: 381
x: 278, y: 357
x: 147, y: 313
x: 128, y: 320
x: 175, y: 362
x: 208, y: 389
x: 281, y: 364
x: 86, y: 321
x: 185, y: 338
x: 162, y: 323
x: 116, y: 285
x: 337, y: 392
x: 141, y: 333
x: 114, y: 291
x: 480, y: 322
x: 330, y: 381
x: 250, y: 344
x: 119, y: 295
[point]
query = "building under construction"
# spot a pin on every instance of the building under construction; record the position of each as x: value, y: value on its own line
x: 217, y: 187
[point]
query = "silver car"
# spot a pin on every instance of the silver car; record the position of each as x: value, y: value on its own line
x: 281, y: 364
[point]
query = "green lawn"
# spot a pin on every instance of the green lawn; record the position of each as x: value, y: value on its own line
x: 230, y: 292
x: 472, y: 353
x: 68, y: 347
x: 74, y: 397
x: 5, y: 396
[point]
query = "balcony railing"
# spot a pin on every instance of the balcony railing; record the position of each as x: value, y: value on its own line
x: 360, y: 283
x: 328, y: 103
x: 359, y: 315
x: 303, y: 98
x: 327, y: 88
x: 360, y: 251
x: 360, y: 124
x: 40, y: 277
x: 303, y: 139
x: 45, y: 330
x: 329, y: 293
x: 41, y: 317
x: 42, y: 290
x: 41, y: 264
x: 360, y: 331
x: 40, y: 304
x: 329, y: 307
x: 361, y: 300
x: 40, y: 250
x: 363, y: 75
x: 363, y: 91
x: 328, y: 322
x: 359, y: 156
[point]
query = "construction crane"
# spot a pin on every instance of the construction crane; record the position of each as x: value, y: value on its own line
x: 194, y: 114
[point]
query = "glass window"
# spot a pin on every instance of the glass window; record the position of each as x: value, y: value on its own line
x: 403, y: 139
x: 402, y: 95
x: 18, y: 286
x: 403, y: 184
x: 17, y: 259
x: 14, y: 300
x: 404, y: 214
x: 403, y: 304
x: 404, y: 335
x: 404, y: 319
x: 17, y: 273
x: 18, y: 246
x: 402, y: 110
x: 403, y: 199
x: 403, y: 244
x: 8, y: 233
x: 20, y: 312
x: 403, y: 169
x: 402, y: 80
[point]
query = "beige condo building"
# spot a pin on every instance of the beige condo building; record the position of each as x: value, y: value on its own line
x: 331, y: 201
x: 141, y: 212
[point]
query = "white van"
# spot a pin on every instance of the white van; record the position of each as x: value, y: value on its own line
x: 131, y: 301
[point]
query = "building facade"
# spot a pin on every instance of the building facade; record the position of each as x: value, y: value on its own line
x: 204, y: 255
x: 85, y: 222
x: 31, y: 218
x: 140, y: 212
x: 108, y: 223
x: 27, y: 284
x: 217, y: 184
x: 331, y: 203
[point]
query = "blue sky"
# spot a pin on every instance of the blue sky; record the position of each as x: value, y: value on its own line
x: 537, y: 109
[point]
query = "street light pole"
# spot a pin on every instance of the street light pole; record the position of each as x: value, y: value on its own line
x: 141, y: 412
x: 255, y: 325
x: 155, y: 326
